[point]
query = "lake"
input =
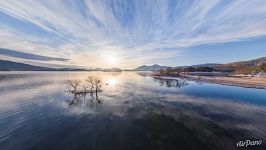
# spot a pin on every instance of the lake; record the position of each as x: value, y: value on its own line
x: 134, y: 112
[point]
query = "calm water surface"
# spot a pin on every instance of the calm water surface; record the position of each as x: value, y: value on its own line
x: 134, y: 111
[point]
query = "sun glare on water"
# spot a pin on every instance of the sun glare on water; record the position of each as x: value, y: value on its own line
x: 112, y: 81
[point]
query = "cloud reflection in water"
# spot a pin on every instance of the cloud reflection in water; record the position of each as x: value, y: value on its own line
x: 136, y: 113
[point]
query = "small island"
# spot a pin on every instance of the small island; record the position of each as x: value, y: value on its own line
x: 112, y: 70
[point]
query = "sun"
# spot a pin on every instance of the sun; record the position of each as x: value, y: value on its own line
x: 112, y: 60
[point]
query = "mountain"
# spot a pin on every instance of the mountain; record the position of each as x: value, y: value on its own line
x: 158, y: 67
x: 241, y: 67
x: 249, y: 63
x: 14, y: 66
x: 244, y: 67
x: 150, y: 68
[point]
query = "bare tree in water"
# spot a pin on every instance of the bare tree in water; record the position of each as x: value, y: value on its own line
x: 93, y: 85
x: 75, y: 84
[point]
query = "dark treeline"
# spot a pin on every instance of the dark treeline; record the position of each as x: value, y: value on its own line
x: 167, y: 72
x: 178, y: 71
x: 197, y: 69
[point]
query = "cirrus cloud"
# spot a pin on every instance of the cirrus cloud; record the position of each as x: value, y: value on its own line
x: 136, y: 31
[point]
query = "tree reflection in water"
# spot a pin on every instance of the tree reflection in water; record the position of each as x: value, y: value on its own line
x: 170, y: 82
x: 85, y: 98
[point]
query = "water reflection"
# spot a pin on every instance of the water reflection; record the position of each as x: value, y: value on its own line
x: 112, y: 81
x: 170, y: 82
x: 81, y: 99
x: 134, y: 113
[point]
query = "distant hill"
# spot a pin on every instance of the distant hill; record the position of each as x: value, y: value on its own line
x: 241, y: 67
x: 158, y: 67
x: 150, y: 68
x: 249, y: 63
x: 244, y: 67
x: 14, y: 66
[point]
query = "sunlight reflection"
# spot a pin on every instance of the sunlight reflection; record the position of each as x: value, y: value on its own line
x: 112, y: 81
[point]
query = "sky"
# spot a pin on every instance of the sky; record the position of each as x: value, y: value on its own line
x: 130, y: 33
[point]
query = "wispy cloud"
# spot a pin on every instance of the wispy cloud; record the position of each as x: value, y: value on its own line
x: 134, y: 31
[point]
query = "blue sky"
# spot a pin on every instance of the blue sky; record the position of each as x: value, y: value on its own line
x: 129, y: 33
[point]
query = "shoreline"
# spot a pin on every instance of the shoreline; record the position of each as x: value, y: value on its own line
x: 246, y: 82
